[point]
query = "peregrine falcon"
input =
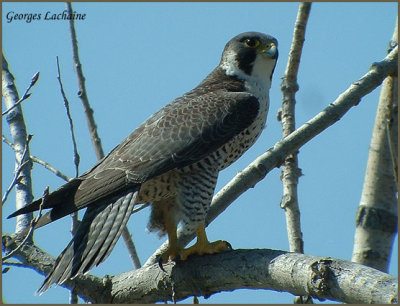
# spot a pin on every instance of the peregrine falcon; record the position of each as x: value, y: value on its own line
x: 172, y: 160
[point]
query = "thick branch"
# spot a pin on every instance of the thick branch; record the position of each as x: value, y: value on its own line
x: 290, y: 170
x: 15, y: 119
x: 393, y: 118
x: 274, y: 157
x: 323, y: 278
x: 88, y: 287
x: 377, y: 214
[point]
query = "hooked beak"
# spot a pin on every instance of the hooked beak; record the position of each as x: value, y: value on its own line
x: 270, y: 51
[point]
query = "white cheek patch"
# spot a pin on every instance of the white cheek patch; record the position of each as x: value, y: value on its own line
x: 230, y: 65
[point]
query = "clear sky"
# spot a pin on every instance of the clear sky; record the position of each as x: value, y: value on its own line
x: 138, y: 57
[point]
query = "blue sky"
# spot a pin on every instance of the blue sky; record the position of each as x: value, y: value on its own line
x: 137, y: 57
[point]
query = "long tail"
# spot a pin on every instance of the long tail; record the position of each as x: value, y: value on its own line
x: 61, y: 201
x: 94, y: 240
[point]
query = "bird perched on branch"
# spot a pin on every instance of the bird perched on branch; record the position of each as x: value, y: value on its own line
x: 172, y: 161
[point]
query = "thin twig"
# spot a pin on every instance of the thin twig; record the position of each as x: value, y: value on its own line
x: 140, y: 208
x: 73, y: 299
x: 71, y: 124
x: 8, y: 141
x: 50, y: 168
x: 40, y: 162
x: 15, y: 264
x: 32, y: 225
x: 26, y: 95
x: 132, y: 249
x: 21, y: 165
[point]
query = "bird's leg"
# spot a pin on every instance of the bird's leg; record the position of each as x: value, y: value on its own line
x: 203, y: 246
x: 173, y: 247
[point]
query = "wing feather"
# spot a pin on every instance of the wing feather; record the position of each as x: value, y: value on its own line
x: 180, y: 134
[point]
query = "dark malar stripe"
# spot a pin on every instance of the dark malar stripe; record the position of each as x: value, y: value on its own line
x: 245, y: 59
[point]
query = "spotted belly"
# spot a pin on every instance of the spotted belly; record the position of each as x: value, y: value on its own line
x: 242, y: 142
x: 160, y: 187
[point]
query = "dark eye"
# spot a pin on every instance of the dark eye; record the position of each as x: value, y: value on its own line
x: 252, y: 42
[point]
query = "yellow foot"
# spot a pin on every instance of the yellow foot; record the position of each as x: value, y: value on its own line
x: 205, y: 247
x: 201, y: 247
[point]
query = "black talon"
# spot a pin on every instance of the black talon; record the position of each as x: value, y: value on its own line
x: 160, y: 264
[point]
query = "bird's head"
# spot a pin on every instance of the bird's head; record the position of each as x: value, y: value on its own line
x: 250, y: 55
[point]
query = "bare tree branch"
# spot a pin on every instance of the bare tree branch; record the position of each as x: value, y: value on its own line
x: 299, y: 274
x: 393, y: 119
x: 274, y: 157
x: 15, y: 119
x: 14, y: 264
x: 8, y: 142
x: 90, y: 288
x: 290, y: 170
x: 31, y: 227
x: 73, y: 298
x: 24, y: 161
x: 40, y: 162
x: 26, y: 94
x: 392, y: 132
x: 50, y: 168
x: 82, y: 94
x: 140, y: 207
x: 376, y: 222
x: 71, y: 123
x: 132, y: 249
x: 323, y: 278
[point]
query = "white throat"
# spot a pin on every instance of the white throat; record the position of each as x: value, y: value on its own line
x: 259, y: 82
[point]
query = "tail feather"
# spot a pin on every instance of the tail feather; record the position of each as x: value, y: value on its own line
x: 26, y: 209
x: 110, y: 233
x: 94, y: 240
x: 62, y: 198
x: 56, y: 213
